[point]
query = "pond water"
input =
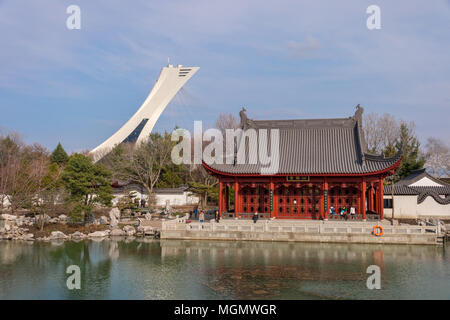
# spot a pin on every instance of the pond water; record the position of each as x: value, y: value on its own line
x: 172, y: 269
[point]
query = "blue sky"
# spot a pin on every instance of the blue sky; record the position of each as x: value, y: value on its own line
x: 280, y: 59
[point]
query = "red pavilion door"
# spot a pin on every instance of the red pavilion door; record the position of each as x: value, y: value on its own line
x: 298, y: 201
x: 255, y: 198
x: 345, y: 197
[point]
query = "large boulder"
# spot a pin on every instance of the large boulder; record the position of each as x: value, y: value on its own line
x: 103, y: 220
x: 118, y: 232
x: 20, y: 221
x: 54, y: 220
x: 99, y: 234
x: 130, y: 230
x: 7, y: 227
x: 63, y: 218
x: 22, y: 231
x: 24, y: 221
x: 146, y: 230
x: 45, y: 217
x: 9, y: 217
x: 55, y: 235
x: 28, y: 237
x: 114, y: 216
x: 77, y: 235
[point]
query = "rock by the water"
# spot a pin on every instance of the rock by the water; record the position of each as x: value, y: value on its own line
x: 103, y: 220
x: 44, y: 217
x: 118, y: 232
x: 28, y: 237
x: 54, y: 220
x: 114, y: 216
x: 99, y: 234
x: 63, y: 218
x: 24, y: 221
x: 57, y: 235
x: 130, y: 230
x: 9, y: 217
x: 146, y: 230
x: 78, y: 235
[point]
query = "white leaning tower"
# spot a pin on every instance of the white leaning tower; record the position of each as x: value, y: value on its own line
x: 138, y: 128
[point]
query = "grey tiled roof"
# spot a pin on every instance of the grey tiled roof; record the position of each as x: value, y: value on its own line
x: 403, y: 187
x: 441, y: 194
x: 419, y: 174
x: 399, y: 190
x: 408, y: 190
x: 315, y: 146
x: 439, y: 190
x: 179, y: 190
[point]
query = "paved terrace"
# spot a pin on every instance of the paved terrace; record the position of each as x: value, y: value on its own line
x: 300, y: 230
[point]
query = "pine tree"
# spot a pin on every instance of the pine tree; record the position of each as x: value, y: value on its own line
x: 59, y: 155
x: 87, y: 183
x: 173, y: 176
x: 409, y: 144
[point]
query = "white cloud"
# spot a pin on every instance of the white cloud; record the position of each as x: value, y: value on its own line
x: 305, y: 49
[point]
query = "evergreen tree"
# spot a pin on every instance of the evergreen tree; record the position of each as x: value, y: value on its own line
x: 409, y: 144
x: 87, y: 183
x: 59, y: 155
x: 173, y: 176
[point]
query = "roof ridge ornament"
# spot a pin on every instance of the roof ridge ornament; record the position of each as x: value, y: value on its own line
x: 358, y: 119
x: 358, y: 113
x: 245, y: 121
x: 244, y: 118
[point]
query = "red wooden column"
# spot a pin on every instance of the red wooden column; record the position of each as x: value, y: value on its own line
x: 375, y: 202
x: 227, y: 198
x: 275, y: 202
x: 370, y: 197
x: 363, y: 199
x: 381, y: 199
x: 321, y: 202
x: 221, y: 198
x: 325, y: 188
x: 237, y: 199
x: 272, y: 189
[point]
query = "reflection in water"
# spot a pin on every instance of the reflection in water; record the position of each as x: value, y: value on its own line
x: 170, y: 269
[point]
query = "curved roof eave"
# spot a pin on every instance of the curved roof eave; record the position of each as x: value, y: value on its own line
x: 394, y: 166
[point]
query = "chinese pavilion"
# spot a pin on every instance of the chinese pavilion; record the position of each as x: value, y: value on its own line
x: 322, y: 163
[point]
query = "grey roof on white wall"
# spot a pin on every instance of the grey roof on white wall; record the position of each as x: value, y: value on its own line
x: 419, y: 174
x: 440, y: 194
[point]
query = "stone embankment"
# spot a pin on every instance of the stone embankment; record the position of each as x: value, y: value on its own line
x: 302, y: 231
x: 14, y: 227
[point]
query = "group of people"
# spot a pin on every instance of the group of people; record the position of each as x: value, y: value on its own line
x: 201, y: 216
x: 195, y: 214
x: 343, y: 212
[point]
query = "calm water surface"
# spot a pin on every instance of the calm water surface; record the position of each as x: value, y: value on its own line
x: 171, y: 269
